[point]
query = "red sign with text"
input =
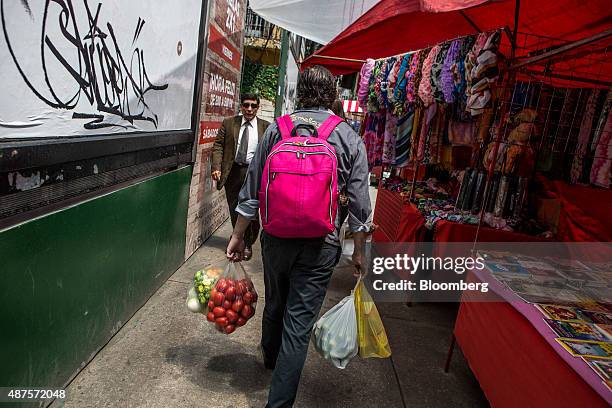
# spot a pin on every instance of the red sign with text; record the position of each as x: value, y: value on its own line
x: 229, y: 14
x: 222, y: 84
x: 208, y: 131
x: 222, y: 47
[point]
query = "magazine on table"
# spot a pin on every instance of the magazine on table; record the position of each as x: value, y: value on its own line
x: 587, y: 348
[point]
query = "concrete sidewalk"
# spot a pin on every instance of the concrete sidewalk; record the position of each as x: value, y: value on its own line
x: 166, y: 356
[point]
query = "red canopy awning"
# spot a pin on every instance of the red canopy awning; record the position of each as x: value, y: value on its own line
x: 397, y: 26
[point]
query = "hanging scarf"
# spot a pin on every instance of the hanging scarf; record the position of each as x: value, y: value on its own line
x: 425, y: 91
x: 364, y: 82
x: 414, y: 136
x: 586, y: 125
x: 436, y: 73
x: 399, y: 93
x: 373, y: 105
x: 423, y: 153
x: 411, y: 77
x: 602, y: 162
x: 402, y: 143
x: 388, y: 151
x: 447, y: 78
x: 391, y: 81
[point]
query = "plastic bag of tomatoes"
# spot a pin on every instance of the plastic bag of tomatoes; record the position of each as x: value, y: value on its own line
x: 232, y: 300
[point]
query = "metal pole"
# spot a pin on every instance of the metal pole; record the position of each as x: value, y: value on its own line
x: 282, y: 70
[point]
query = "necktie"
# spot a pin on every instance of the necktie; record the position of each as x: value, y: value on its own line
x: 241, y: 157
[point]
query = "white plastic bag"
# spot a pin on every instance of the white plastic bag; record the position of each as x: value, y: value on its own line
x: 335, y: 333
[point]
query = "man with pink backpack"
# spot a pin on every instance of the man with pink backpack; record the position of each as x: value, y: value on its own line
x: 305, y: 162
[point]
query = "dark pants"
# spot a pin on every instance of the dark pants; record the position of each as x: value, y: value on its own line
x: 296, y: 274
x: 233, y: 184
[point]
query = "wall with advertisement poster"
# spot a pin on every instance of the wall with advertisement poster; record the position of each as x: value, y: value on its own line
x: 220, y: 97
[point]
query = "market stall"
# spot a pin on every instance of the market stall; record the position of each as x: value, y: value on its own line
x: 502, y: 113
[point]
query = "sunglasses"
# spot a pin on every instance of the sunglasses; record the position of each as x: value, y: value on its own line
x: 252, y: 105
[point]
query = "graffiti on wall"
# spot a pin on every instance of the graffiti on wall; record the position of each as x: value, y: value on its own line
x: 90, y: 67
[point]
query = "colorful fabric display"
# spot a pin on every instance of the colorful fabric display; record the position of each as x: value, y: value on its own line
x: 436, y: 73
x: 602, y: 162
x: 373, y: 138
x: 412, y: 77
x: 388, y: 151
x: 402, y: 143
x: 447, y: 78
x: 399, y: 93
x: 364, y: 81
x: 373, y: 105
x: 425, y: 91
x: 483, y: 74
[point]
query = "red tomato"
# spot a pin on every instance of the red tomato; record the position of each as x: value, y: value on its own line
x: 221, y: 285
x: 213, y: 292
x: 248, y: 298
x: 227, y: 305
x: 221, y: 321
x: 240, y: 322
x: 218, y: 299
x: 231, y: 282
x: 246, y: 312
x: 230, y: 328
x: 211, y: 304
x: 219, y: 311
x: 237, y: 306
x: 231, y: 316
x: 254, y: 296
x: 230, y: 293
x: 210, y: 317
x: 240, y: 288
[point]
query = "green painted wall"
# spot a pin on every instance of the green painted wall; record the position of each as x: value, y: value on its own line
x: 71, y: 279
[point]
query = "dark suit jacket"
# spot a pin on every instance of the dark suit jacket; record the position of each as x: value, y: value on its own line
x: 224, y: 149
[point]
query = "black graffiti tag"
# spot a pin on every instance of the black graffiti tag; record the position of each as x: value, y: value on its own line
x: 110, y: 84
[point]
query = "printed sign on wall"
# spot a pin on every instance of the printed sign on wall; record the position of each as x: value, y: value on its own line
x: 222, y: 88
x: 229, y: 15
x: 208, y: 131
x: 87, y: 67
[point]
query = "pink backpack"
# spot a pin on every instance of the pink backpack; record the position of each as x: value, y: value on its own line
x: 298, y: 197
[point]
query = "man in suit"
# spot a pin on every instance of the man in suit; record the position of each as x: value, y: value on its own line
x: 233, y: 150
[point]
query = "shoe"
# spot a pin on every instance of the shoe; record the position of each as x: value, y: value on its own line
x: 262, y: 359
x: 248, y: 253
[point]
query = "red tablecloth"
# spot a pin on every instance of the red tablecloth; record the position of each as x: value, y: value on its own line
x: 447, y: 231
x: 397, y: 221
x: 515, y: 364
x: 586, y: 212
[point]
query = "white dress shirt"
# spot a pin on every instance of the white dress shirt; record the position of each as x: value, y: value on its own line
x: 253, y: 138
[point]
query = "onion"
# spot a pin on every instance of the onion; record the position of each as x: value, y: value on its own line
x: 194, y: 305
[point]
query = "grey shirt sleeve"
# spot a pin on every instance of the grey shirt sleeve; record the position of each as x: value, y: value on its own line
x: 357, y: 189
x: 248, y: 198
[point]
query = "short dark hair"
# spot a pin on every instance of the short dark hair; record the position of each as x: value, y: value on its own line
x: 249, y: 96
x: 316, y: 88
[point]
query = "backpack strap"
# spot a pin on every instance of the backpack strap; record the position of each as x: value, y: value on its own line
x: 328, y: 126
x: 285, y: 126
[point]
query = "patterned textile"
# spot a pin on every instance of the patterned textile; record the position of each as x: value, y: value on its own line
x: 364, y: 82
x: 402, y: 144
x: 399, y: 93
x: 425, y: 91
x: 423, y: 154
x: 414, y: 137
x: 583, y: 136
x: 391, y: 81
x: 373, y: 138
x: 373, y: 105
x: 436, y: 73
x: 602, y: 162
x: 411, y: 78
x: 388, y: 151
x: 447, y: 78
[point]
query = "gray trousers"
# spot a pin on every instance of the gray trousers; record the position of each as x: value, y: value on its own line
x: 296, y: 274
